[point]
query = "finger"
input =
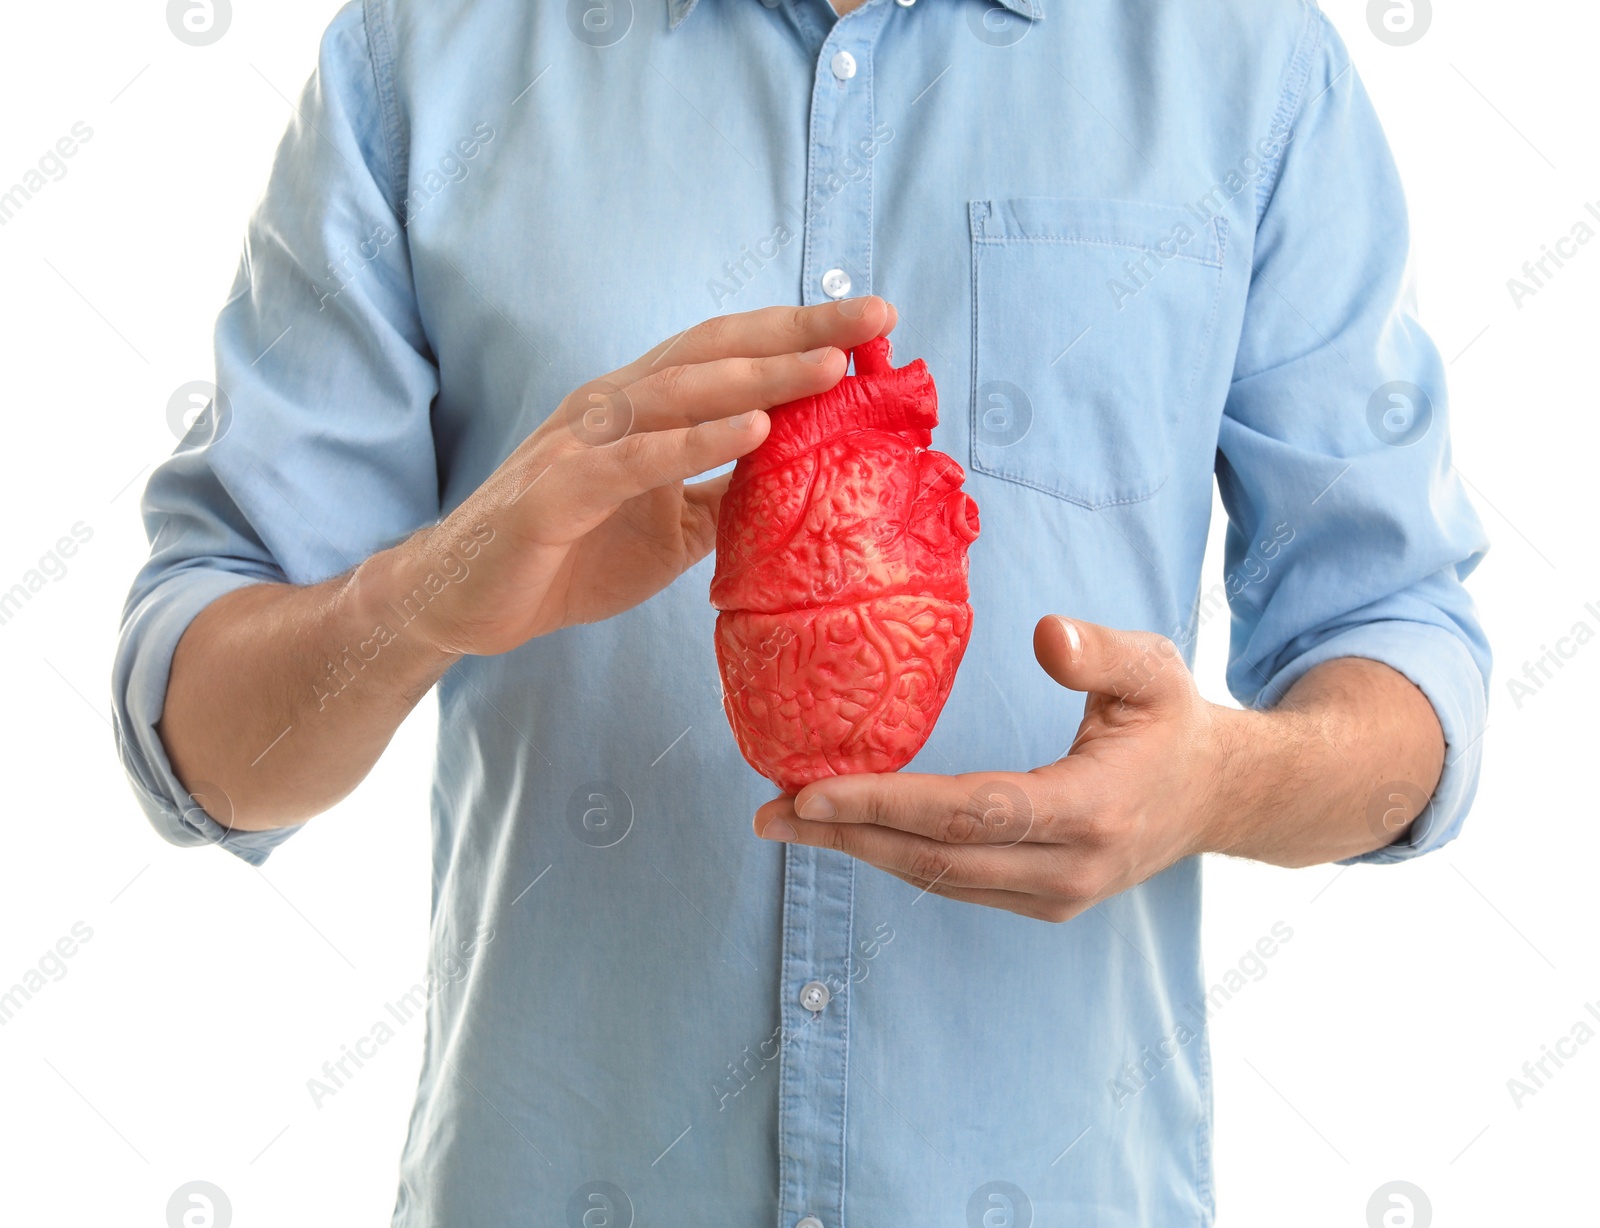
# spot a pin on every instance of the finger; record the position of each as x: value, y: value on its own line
x: 1037, y: 907
x: 579, y: 489
x: 1001, y: 808
x: 765, y: 332
x: 1028, y: 870
x: 679, y: 396
x: 606, y: 476
x: 1134, y: 666
x: 702, y: 510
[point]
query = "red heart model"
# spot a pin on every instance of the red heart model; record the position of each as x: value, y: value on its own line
x: 841, y: 578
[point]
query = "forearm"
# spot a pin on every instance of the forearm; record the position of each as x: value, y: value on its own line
x: 281, y: 697
x: 1305, y: 782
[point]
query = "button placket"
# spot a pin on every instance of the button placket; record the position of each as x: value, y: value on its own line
x: 818, y: 924
x: 819, y: 884
x: 838, y: 238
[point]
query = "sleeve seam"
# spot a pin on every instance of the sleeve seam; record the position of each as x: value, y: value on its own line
x: 380, y: 55
x: 1289, y: 102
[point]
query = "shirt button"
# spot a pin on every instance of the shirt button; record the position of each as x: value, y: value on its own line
x: 814, y: 996
x: 905, y: 4
x: 836, y: 283
x: 810, y: 1221
x: 844, y: 67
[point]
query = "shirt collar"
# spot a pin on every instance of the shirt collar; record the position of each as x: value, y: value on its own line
x: 677, y: 10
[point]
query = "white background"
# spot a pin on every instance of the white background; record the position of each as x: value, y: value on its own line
x: 178, y: 1044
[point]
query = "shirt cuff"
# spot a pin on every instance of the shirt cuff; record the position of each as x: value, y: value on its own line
x: 1441, y: 666
x: 150, y: 636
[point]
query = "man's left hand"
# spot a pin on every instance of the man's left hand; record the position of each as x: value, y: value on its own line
x: 1137, y: 791
x: 1341, y: 764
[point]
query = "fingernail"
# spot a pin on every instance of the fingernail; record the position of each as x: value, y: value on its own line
x: 1074, y: 638
x: 742, y: 422
x: 853, y: 308
x: 779, y: 829
x: 816, y: 807
x: 817, y: 356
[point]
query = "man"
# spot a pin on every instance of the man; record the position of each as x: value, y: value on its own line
x: 469, y: 406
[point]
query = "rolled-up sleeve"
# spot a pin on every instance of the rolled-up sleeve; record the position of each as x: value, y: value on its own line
x: 317, y: 450
x: 1350, y: 530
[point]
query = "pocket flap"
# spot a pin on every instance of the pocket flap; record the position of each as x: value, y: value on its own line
x: 1138, y: 225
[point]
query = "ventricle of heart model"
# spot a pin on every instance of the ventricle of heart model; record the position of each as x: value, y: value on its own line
x: 841, y: 578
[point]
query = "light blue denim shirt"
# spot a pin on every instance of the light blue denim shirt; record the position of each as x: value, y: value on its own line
x: 1139, y: 243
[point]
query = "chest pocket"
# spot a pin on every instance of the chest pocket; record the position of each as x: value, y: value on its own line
x: 1091, y: 319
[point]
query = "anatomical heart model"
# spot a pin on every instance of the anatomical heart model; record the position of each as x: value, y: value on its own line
x: 842, y: 579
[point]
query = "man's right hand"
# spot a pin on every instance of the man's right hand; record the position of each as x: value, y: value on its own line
x: 591, y: 514
x: 270, y: 716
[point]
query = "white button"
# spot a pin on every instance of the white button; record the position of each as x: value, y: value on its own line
x: 844, y: 67
x: 905, y: 4
x: 814, y: 995
x: 836, y: 283
x: 810, y: 1221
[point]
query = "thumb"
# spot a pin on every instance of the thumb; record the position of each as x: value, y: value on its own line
x: 704, y: 501
x: 1134, y: 666
x: 707, y: 495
